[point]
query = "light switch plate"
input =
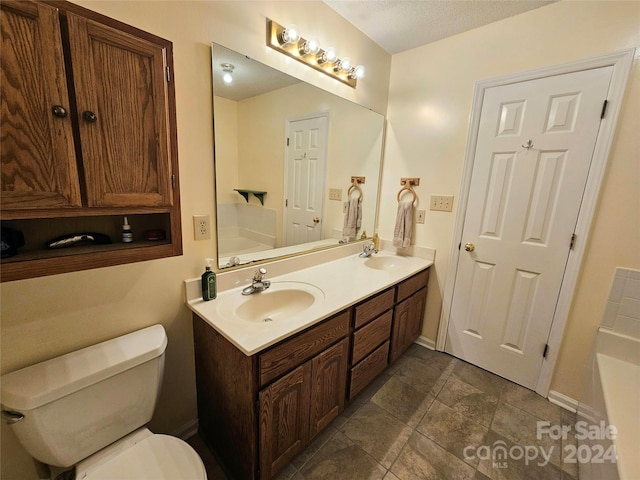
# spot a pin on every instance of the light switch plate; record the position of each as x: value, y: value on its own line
x: 442, y: 203
x: 335, y: 194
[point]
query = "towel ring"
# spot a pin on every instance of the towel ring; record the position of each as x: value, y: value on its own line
x: 408, y: 189
x: 355, y: 186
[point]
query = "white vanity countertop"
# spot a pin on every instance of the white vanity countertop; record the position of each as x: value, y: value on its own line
x: 344, y: 282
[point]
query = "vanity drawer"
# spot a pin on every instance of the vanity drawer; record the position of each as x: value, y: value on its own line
x: 291, y: 353
x: 370, y: 309
x: 368, y: 369
x: 370, y: 336
x: 412, y: 285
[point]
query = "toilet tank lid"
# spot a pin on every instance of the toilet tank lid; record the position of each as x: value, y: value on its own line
x: 44, y: 382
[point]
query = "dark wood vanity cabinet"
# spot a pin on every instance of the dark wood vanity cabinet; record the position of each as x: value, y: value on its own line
x: 295, y: 408
x: 258, y: 412
x: 88, y: 134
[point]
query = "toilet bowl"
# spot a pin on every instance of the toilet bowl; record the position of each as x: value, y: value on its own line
x: 86, y: 410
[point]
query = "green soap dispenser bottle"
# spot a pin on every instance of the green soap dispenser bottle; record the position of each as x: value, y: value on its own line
x: 209, y: 291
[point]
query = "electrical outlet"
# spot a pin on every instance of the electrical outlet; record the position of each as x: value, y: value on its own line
x: 420, y: 216
x: 201, y: 230
x: 442, y: 203
x: 335, y: 194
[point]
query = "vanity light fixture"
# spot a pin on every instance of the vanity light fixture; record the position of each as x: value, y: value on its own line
x: 227, y: 76
x: 287, y: 40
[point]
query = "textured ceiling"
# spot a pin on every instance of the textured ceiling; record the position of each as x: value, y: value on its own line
x: 398, y: 25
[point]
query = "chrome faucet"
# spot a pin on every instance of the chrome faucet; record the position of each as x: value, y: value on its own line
x: 368, y: 249
x: 258, y: 284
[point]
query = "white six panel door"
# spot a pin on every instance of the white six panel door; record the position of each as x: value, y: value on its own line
x: 534, y: 149
x: 305, y: 179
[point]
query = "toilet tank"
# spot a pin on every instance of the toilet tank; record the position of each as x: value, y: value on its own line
x: 78, y: 403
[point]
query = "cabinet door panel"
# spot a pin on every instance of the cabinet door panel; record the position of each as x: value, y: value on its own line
x: 329, y: 381
x: 284, y: 419
x: 121, y: 79
x: 407, y: 323
x: 38, y: 158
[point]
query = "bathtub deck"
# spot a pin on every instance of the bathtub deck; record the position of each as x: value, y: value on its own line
x: 621, y: 386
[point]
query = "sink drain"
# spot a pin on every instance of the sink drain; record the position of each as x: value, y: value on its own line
x: 268, y: 319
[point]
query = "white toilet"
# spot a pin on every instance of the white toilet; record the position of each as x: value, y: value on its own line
x: 88, y: 409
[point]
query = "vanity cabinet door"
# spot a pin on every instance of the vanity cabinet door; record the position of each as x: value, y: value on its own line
x: 38, y: 157
x: 407, y: 323
x: 284, y: 419
x: 329, y: 381
x: 122, y: 95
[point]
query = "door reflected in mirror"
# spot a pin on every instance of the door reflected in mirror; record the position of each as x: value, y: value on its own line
x: 285, y: 155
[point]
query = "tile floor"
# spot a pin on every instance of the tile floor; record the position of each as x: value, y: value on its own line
x: 432, y: 416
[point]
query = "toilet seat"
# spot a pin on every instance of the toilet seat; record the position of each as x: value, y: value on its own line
x: 156, y: 457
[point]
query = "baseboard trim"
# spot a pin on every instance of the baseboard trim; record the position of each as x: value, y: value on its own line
x: 426, y: 342
x: 187, y: 430
x: 563, y: 401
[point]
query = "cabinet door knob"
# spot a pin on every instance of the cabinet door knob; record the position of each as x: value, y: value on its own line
x: 90, y: 117
x: 59, y: 111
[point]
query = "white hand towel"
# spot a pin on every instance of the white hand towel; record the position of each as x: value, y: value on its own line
x: 404, y: 224
x: 352, y: 218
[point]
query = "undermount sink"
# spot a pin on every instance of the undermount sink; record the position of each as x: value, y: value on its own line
x: 383, y: 262
x: 279, y: 302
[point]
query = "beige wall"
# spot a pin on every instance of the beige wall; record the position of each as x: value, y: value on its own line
x: 430, y: 99
x: 46, y: 317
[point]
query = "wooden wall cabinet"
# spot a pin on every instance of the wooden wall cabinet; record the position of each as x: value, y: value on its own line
x: 259, y: 412
x: 88, y: 136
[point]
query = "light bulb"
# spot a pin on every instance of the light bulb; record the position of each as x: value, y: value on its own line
x: 357, y: 72
x: 309, y: 47
x: 328, y: 55
x: 227, y: 76
x: 289, y: 35
x: 345, y: 64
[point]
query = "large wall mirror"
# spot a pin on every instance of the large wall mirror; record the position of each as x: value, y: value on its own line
x: 286, y: 154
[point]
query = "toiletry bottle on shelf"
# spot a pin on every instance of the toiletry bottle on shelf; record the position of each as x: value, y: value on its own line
x: 376, y: 241
x: 208, y: 284
x: 127, y: 234
x: 364, y: 235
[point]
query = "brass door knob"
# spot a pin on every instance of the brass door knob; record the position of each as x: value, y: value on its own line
x: 469, y: 247
x: 316, y: 220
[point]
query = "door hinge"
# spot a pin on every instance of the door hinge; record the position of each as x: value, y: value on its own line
x: 572, y: 243
x: 173, y: 181
x: 286, y: 202
x: 167, y: 73
x: 287, y: 141
x: 604, y: 109
x: 545, y: 351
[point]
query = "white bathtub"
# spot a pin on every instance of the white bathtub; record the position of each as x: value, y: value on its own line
x: 612, y: 399
x: 239, y: 245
